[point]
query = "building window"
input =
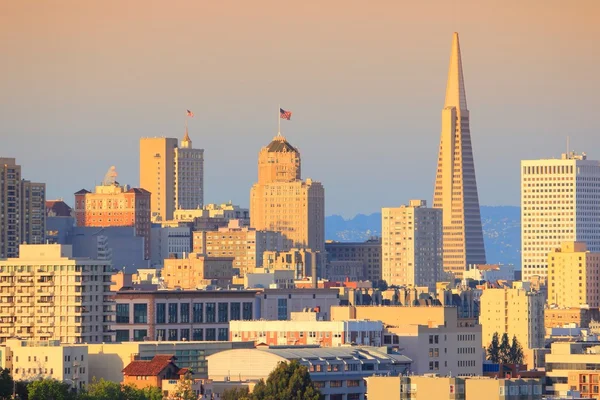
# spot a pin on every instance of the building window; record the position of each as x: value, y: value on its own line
x: 223, y: 308
x: 223, y: 334
x: 122, y: 335
x: 139, y: 335
x: 197, y: 313
x: 236, y: 312
x: 140, y: 313
x: 282, y: 313
x: 210, y: 314
x: 161, y: 312
x: 172, y: 335
x: 184, y: 334
x: 184, y: 310
x: 198, y: 334
x: 172, y: 313
x: 211, y: 334
x: 122, y: 313
x: 247, y: 311
x: 160, y: 334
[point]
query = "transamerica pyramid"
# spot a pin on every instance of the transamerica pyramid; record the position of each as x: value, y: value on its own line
x: 455, y: 184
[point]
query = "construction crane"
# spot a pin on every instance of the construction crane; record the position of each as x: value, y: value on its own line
x: 111, y: 177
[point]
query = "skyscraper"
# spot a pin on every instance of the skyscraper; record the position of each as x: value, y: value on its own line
x: 173, y: 175
x: 282, y: 202
x: 455, y: 184
x: 560, y: 201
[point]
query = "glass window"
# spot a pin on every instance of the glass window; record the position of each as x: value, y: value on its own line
x: 140, y: 313
x: 236, y: 312
x: 198, y: 334
x: 211, y: 334
x: 161, y: 334
x: 197, y: 313
x: 247, y: 311
x: 161, y: 312
x: 282, y: 314
x: 184, y: 334
x: 223, y: 334
x: 122, y: 313
x: 223, y: 314
x: 184, y: 311
x: 210, y: 314
x: 122, y: 335
x: 172, y: 313
x: 139, y: 335
x: 172, y: 335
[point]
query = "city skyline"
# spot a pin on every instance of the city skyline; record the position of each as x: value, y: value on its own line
x: 141, y: 88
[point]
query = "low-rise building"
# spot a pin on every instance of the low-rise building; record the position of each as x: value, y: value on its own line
x: 567, y: 358
x: 197, y: 270
x: 490, y: 272
x: 278, y: 304
x: 170, y: 241
x: 277, y: 279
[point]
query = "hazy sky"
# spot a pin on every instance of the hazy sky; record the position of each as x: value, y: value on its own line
x: 82, y: 81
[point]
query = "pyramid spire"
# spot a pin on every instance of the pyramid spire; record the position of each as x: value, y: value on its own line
x: 186, y: 143
x: 455, y: 88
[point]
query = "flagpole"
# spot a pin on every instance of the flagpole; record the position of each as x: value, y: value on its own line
x: 279, y: 121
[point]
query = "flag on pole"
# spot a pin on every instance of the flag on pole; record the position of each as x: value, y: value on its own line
x: 189, y: 113
x: 283, y: 114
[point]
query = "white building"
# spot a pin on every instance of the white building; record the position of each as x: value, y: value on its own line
x: 411, y: 244
x: 560, y: 201
x: 490, y: 273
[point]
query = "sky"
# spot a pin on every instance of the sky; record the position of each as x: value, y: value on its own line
x: 82, y: 81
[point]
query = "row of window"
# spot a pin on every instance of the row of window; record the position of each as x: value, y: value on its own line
x: 174, y: 313
x: 173, y: 335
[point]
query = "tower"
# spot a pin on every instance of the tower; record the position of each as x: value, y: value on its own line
x: 455, y: 184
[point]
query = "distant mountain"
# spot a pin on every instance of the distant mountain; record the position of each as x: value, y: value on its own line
x: 501, y: 231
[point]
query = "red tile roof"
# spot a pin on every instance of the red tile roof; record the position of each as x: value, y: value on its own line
x: 149, y: 367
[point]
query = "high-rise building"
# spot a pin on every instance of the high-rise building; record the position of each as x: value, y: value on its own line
x: 411, y: 245
x: 280, y: 201
x: 560, y: 201
x: 573, y: 274
x: 113, y: 205
x: 174, y: 176
x: 22, y: 209
x: 50, y: 295
x: 455, y: 184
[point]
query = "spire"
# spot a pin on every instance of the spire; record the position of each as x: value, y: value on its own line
x: 186, y: 142
x: 455, y: 89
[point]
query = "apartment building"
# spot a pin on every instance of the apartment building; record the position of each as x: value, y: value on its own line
x: 278, y: 304
x: 567, y: 362
x: 573, y: 275
x: 47, y: 294
x: 304, y: 262
x: 411, y: 245
x: 169, y: 241
x: 197, y: 270
x: 368, y: 253
x: 181, y: 315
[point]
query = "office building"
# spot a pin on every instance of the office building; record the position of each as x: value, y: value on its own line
x: 411, y: 245
x: 197, y: 270
x: 573, y: 275
x: 279, y: 304
x: 560, y: 202
x: 189, y: 178
x: 169, y: 242
x: 50, y: 295
x: 368, y: 253
x: 22, y: 210
x: 455, y: 183
x: 516, y: 311
x: 280, y: 201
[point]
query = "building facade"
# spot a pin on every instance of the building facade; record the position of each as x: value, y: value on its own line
x: 411, y: 245
x: 113, y: 205
x: 189, y: 178
x: 368, y: 252
x: 279, y: 304
x: 573, y: 275
x: 169, y: 241
x: 197, y: 270
x: 560, y: 201
x: 455, y: 189
x: 49, y: 295
x: 22, y: 210
x: 280, y: 201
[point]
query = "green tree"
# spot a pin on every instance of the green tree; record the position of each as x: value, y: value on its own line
x: 6, y: 383
x: 236, y: 394
x: 505, y: 349
x: 382, y: 285
x: 288, y: 381
x: 516, y: 355
x: 184, y: 389
x: 50, y: 389
x: 152, y: 393
x: 102, y: 390
x: 493, y: 350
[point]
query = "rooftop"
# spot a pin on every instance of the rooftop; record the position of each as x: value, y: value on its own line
x: 149, y: 367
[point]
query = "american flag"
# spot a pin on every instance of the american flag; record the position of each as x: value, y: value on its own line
x: 189, y: 113
x: 283, y: 114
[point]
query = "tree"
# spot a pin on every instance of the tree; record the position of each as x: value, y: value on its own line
x: 6, y: 383
x: 382, y: 285
x: 50, y: 389
x: 493, y: 350
x: 152, y: 393
x: 236, y: 394
x: 288, y: 381
x: 184, y: 389
x: 102, y: 390
x: 516, y: 355
x: 505, y: 349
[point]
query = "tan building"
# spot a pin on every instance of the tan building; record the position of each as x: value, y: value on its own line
x: 30, y: 360
x: 46, y: 294
x: 517, y: 311
x: 568, y: 360
x: 587, y: 383
x: 559, y: 200
x: 455, y: 183
x: 435, y: 338
x: 174, y: 176
x: 280, y: 201
x: 22, y: 209
x: 304, y: 262
x: 573, y: 275
x: 197, y: 270
x: 279, y: 304
x: 411, y: 245
x: 246, y: 245
x: 368, y: 253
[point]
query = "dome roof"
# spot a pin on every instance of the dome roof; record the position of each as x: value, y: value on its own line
x: 280, y: 145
